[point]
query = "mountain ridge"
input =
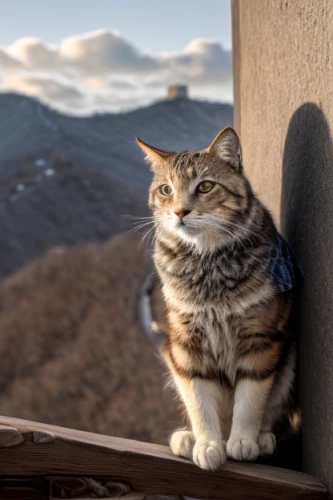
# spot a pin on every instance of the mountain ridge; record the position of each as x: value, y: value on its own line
x: 66, y: 180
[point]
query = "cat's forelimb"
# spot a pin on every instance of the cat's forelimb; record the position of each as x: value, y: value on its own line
x: 251, y: 398
x: 202, y: 400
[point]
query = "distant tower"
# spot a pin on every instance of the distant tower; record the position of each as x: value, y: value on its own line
x: 176, y: 91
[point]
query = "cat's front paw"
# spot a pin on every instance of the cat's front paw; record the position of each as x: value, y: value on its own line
x: 182, y: 444
x: 208, y: 455
x: 267, y: 443
x: 241, y: 448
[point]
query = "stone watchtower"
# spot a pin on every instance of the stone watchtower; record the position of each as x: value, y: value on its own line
x: 176, y: 91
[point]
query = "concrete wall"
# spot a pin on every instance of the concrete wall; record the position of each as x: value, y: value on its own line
x: 283, y: 77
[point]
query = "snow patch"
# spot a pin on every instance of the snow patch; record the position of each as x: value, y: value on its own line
x: 41, y: 162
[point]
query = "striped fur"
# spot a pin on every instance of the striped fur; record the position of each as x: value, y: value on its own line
x: 229, y: 346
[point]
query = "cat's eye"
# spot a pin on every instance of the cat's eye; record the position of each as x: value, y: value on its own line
x: 165, y: 189
x: 205, y: 187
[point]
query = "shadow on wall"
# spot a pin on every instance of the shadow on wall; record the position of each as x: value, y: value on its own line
x: 307, y: 223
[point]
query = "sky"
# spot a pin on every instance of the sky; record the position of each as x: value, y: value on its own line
x: 86, y: 56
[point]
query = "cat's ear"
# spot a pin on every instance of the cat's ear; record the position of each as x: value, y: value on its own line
x: 226, y: 146
x: 153, y: 155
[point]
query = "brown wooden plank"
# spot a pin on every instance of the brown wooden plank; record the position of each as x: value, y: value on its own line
x: 147, y: 468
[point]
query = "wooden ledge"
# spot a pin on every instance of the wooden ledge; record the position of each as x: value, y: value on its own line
x: 30, y: 449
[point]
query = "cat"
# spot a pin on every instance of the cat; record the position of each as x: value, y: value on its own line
x: 228, y: 280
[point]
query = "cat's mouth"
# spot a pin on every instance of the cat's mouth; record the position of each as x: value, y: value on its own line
x: 186, y: 228
x: 183, y: 228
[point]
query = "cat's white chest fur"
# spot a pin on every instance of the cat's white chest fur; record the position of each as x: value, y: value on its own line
x: 219, y: 339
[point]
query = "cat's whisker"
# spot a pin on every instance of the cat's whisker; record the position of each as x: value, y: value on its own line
x: 146, y: 235
x: 152, y: 237
x: 135, y: 217
x: 246, y: 233
x: 143, y: 223
x: 141, y: 226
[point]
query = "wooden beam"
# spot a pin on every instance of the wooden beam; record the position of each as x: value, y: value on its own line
x: 147, y: 468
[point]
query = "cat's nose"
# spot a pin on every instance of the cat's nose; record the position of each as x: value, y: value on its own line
x: 182, y: 213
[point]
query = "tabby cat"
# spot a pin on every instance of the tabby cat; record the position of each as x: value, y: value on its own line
x: 228, y: 281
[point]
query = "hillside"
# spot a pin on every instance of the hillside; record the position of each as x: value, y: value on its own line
x: 72, y: 350
x: 65, y: 180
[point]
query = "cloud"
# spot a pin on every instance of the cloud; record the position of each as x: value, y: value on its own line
x: 32, y: 53
x: 102, y: 71
x: 122, y: 84
x: 203, y: 61
x: 102, y: 52
x: 48, y: 90
x: 8, y: 63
